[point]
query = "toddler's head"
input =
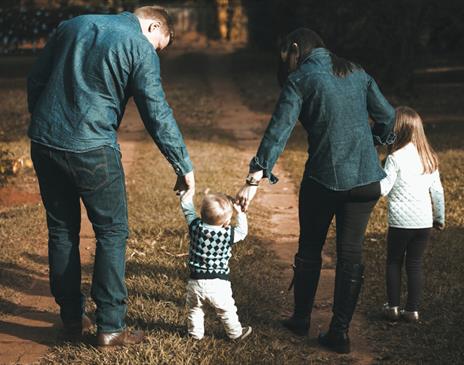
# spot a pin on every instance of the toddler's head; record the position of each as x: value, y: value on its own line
x: 216, y: 209
x: 409, y: 129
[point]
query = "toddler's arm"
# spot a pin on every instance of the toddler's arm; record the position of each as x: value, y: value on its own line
x: 188, y: 208
x: 241, y: 229
x: 386, y: 184
x: 438, y: 201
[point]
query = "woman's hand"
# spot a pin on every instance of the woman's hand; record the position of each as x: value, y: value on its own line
x: 245, y: 195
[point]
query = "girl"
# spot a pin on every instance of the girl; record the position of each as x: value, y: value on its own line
x: 415, y: 204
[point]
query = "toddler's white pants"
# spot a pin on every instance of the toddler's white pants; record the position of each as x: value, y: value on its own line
x: 218, y: 294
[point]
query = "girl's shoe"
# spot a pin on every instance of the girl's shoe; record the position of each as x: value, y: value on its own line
x: 410, y: 316
x: 391, y: 313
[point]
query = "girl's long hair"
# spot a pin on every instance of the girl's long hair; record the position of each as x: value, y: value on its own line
x: 409, y: 128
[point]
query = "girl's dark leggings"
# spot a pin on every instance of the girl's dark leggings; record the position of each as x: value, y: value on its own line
x: 409, y: 243
x: 351, y: 208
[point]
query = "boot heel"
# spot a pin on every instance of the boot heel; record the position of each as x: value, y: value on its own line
x: 298, y: 326
x: 338, y: 342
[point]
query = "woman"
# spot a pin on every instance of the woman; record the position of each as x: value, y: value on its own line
x: 333, y: 99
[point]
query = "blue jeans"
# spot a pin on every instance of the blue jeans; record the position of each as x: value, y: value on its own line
x: 96, y: 177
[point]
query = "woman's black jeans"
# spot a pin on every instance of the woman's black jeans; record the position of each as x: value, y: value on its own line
x: 97, y: 178
x: 411, y: 243
x: 352, y: 209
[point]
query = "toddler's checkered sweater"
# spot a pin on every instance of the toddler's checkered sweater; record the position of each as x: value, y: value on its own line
x: 211, y: 246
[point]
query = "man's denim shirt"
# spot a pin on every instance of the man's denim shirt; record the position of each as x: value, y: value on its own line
x: 335, y: 113
x: 79, y: 87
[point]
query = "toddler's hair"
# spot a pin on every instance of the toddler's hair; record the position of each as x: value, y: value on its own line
x: 216, y: 208
x: 409, y: 128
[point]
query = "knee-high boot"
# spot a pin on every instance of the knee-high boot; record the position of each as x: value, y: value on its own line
x: 348, y: 281
x: 305, y: 279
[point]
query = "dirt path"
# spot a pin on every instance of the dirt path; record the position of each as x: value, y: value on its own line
x: 28, y: 333
x: 247, y: 127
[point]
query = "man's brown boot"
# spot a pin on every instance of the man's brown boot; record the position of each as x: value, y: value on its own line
x: 123, y: 338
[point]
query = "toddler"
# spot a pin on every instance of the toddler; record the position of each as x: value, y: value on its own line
x: 211, y: 241
x: 415, y: 205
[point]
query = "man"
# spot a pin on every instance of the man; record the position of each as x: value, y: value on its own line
x: 77, y: 93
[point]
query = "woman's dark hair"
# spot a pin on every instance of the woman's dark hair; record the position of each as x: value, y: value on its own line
x: 307, y: 40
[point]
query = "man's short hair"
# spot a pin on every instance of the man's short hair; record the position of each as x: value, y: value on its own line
x: 160, y: 14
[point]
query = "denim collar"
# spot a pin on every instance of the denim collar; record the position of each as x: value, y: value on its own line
x: 317, y: 54
x: 133, y: 19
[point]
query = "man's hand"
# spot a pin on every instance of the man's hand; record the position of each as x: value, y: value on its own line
x: 185, y: 185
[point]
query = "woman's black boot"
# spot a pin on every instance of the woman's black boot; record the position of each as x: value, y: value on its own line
x: 348, y: 282
x: 305, y: 279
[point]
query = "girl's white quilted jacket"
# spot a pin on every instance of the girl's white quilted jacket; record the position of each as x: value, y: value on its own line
x: 415, y: 199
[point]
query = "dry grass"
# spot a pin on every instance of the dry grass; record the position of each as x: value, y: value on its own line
x: 156, y: 279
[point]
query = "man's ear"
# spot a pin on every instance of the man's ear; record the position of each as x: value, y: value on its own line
x: 293, y: 57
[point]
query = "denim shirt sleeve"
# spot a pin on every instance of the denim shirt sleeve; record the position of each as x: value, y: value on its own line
x: 382, y: 113
x: 157, y: 116
x: 40, y: 73
x: 278, y: 131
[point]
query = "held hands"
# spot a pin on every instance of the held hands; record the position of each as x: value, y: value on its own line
x: 237, y: 208
x: 246, y: 194
x: 185, y: 185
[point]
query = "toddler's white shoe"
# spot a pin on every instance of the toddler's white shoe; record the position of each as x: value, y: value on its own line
x: 246, y: 331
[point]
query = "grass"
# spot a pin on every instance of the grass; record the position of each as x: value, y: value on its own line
x: 156, y: 276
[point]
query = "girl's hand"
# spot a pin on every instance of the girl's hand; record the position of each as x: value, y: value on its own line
x: 439, y: 226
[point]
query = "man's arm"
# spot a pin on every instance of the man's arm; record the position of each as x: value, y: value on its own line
x: 157, y: 116
x: 382, y: 113
x: 40, y: 73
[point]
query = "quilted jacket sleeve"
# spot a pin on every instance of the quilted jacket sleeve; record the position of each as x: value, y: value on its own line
x: 438, y: 198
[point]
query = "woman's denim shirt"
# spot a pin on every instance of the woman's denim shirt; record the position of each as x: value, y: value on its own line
x: 79, y: 86
x: 335, y: 113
